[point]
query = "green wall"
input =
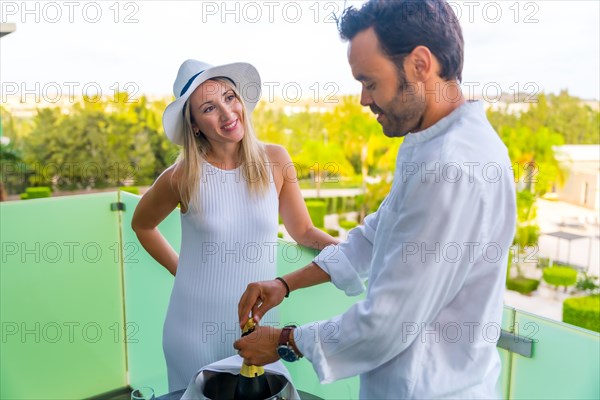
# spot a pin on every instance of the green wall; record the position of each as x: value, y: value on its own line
x: 61, y: 298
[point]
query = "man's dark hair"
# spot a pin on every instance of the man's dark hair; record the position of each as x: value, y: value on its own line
x: 402, y: 25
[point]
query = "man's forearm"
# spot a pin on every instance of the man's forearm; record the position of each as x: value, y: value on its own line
x: 310, y: 275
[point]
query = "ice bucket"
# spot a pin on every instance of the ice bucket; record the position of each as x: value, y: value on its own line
x: 221, y: 385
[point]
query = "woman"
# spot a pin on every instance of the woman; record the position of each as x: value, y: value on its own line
x: 230, y: 188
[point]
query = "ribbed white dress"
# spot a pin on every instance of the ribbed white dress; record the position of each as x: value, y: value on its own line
x: 228, y: 244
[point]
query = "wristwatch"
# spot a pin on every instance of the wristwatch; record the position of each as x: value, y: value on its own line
x: 285, y: 348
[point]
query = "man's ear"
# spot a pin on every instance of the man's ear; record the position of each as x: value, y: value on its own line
x: 422, y: 63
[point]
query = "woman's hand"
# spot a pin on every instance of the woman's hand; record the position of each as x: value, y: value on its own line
x: 259, y: 298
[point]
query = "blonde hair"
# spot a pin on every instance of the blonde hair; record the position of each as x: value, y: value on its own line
x: 197, y: 148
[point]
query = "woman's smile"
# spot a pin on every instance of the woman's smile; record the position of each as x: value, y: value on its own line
x: 230, y: 125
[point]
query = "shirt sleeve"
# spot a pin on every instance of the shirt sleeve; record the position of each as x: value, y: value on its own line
x: 349, y: 263
x: 410, y: 281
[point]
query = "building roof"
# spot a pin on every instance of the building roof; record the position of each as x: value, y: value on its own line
x: 6, y: 28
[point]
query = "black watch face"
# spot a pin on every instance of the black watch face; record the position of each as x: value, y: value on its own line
x: 286, y: 354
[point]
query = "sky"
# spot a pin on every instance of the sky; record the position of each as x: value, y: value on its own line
x: 87, y: 47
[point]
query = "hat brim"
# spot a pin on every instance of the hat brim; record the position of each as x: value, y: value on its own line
x: 246, y: 79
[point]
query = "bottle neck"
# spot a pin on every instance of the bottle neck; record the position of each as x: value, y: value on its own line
x: 251, y: 371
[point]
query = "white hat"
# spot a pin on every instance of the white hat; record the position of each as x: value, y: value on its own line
x: 192, y: 74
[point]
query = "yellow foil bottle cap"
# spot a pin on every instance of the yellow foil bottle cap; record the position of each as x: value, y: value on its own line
x: 250, y: 371
x: 248, y: 327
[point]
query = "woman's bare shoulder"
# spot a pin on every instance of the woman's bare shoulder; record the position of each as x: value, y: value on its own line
x: 170, y: 178
x: 277, y: 154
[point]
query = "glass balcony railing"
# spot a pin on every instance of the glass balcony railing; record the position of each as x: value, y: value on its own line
x: 82, y: 307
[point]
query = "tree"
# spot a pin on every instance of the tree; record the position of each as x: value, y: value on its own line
x: 273, y: 126
x: 566, y: 115
x: 532, y: 153
x: 97, y: 144
x: 326, y: 161
x: 11, y: 168
x: 365, y: 145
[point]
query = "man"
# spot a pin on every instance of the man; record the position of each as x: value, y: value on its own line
x: 435, y: 252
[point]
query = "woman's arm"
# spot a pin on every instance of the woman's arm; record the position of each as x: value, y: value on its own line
x: 156, y: 204
x: 292, y: 208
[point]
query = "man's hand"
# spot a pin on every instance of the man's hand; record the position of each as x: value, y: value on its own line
x: 260, y: 347
x: 259, y: 298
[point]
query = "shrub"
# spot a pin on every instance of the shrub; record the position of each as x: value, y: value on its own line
x: 560, y: 276
x: 583, y: 312
x: 316, y: 209
x: 526, y: 209
x: 543, y: 262
x: 280, y: 235
x: 332, y: 204
x: 522, y: 285
x: 36, y: 193
x: 130, y: 189
x: 332, y: 232
x: 527, y: 235
x: 337, y: 205
x: 347, y: 225
x: 587, y: 283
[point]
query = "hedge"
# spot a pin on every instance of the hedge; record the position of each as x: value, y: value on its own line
x: 339, y: 205
x: 332, y: 232
x: 130, y: 189
x: 36, y: 193
x: 317, y: 209
x: 560, y: 276
x: 347, y: 225
x: 522, y: 285
x: 583, y: 312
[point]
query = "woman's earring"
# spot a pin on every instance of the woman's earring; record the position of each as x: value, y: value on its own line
x: 197, y: 133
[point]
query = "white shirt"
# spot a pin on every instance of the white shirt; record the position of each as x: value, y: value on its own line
x: 435, y: 256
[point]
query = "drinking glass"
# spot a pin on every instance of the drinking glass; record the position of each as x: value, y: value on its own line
x: 143, y: 393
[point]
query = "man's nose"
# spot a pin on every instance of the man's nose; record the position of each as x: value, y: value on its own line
x: 365, y: 98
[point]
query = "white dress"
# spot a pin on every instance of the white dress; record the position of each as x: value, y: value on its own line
x: 230, y: 243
